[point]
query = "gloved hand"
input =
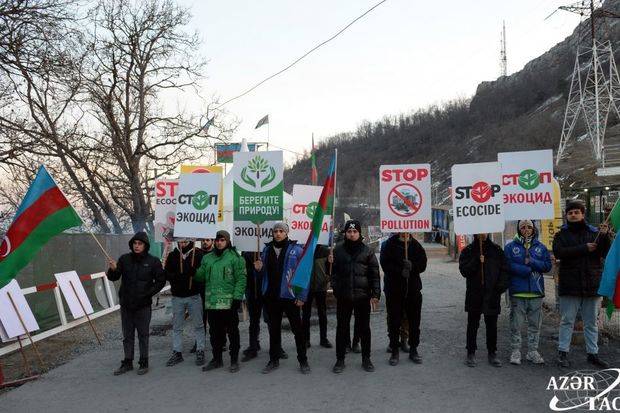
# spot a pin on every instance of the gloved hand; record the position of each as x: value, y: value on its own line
x: 236, y: 305
x: 405, y: 273
x: 407, y: 265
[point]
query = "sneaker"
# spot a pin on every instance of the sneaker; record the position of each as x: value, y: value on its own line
x: 515, y: 357
x: 393, y: 359
x: 304, y: 367
x: 414, y: 356
x: 200, y: 358
x: 534, y: 357
x: 271, y: 366
x: 493, y: 360
x: 234, y: 367
x: 563, y: 359
x: 143, y: 367
x: 283, y: 355
x: 175, y: 358
x: 470, y: 361
x: 213, y: 364
x: 338, y: 367
x: 404, y: 347
x: 367, y: 365
x: 596, y: 361
x: 325, y: 343
x: 126, y: 365
x: 249, y: 356
x: 356, y: 348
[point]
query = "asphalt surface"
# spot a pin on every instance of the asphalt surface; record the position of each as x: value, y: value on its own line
x: 441, y: 383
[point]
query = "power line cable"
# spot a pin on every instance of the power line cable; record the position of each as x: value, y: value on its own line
x: 305, y: 54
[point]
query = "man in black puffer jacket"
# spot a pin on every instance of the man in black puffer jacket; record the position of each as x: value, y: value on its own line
x: 355, y: 282
x: 403, y: 290
x: 580, y: 249
x: 488, y: 275
x: 142, y: 276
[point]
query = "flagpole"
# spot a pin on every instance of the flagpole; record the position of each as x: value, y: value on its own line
x: 606, y: 222
x: 331, y: 247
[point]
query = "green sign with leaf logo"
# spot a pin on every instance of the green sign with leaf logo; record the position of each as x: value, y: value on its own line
x: 529, y: 179
x: 257, y: 186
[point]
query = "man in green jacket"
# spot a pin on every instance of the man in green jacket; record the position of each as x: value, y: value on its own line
x: 224, y: 276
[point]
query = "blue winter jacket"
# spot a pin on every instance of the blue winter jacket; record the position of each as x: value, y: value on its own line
x: 292, y: 257
x: 527, y: 278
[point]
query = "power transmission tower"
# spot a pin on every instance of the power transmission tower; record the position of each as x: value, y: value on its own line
x: 594, y: 94
x: 503, y: 57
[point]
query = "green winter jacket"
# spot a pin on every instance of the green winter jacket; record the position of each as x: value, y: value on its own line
x: 224, y: 278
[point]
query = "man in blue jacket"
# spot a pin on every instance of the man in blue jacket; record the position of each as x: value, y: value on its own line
x: 274, y: 270
x: 528, y: 260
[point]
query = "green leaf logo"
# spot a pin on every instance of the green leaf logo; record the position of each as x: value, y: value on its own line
x: 200, y: 200
x: 529, y: 179
x: 257, y: 165
x: 311, y: 209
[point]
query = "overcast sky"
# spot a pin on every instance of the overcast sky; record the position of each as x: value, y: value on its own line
x: 404, y: 55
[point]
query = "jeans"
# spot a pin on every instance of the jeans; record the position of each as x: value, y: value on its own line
x: 520, y: 309
x: 569, y: 306
x: 275, y: 308
x: 321, y: 307
x: 344, y: 310
x: 398, y: 305
x: 473, y: 322
x: 193, y: 305
x: 221, y: 323
x: 132, y: 320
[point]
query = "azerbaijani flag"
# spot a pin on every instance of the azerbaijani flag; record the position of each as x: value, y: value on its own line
x: 303, y: 271
x: 43, y: 213
x: 610, y: 281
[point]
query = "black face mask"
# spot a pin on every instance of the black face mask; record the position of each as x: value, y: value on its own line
x: 352, y: 246
x: 280, y: 244
x: 576, y: 226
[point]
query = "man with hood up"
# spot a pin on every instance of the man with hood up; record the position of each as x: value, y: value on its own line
x: 528, y: 260
x: 142, y: 276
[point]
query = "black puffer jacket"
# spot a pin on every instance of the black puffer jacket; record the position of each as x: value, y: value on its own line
x: 392, y: 259
x: 179, y: 280
x: 141, y: 275
x: 580, y: 270
x: 484, y: 298
x: 355, y: 273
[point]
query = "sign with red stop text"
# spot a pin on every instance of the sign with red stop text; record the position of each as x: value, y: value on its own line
x: 305, y: 202
x: 405, y: 194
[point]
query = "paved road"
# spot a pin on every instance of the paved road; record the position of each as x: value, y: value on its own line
x: 442, y: 383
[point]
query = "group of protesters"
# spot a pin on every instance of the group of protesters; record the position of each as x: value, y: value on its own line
x: 210, y: 281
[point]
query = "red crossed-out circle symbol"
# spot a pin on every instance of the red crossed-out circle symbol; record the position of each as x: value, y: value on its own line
x: 405, y: 200
x: 481, y: 192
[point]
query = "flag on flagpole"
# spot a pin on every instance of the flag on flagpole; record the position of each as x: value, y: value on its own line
x: 44, y: 213
x: 206, y: 126
x: 610, y: 281
x: 264, y: 120
x: 314, y: 174
x: 303, y: 271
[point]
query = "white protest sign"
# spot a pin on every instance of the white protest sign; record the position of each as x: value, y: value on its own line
x: 9, y: 317
x: 527, y: 184
x: 197, y: 205
x: 305, y: 202
x: 245, y: 232
x: 70, y: 285
x: 4, y: 336
x: 165, y: 206
x: 258, y: 191
x: 405, y: 195
x: 477, y: 198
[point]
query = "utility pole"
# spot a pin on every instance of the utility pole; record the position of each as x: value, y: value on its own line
x: 503, y: 57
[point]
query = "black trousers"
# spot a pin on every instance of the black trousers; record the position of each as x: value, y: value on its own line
x: 255, y: 309
x: 275, y: 309
x: 221, y: 323
x: 344, y: 310
x: 132, y: 320
x: 397, y: 305
x: 473, y: 322
x: 321, y: 307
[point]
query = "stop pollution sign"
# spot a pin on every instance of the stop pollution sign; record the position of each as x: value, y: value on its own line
x: 405, y: 192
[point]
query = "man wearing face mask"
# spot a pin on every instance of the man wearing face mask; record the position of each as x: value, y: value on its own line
x: 580, y: 248
x: 275, y: 269
x: 356, y: 283
x: 224, y: 277
x: 142, y: 276
x: 528, y: 259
